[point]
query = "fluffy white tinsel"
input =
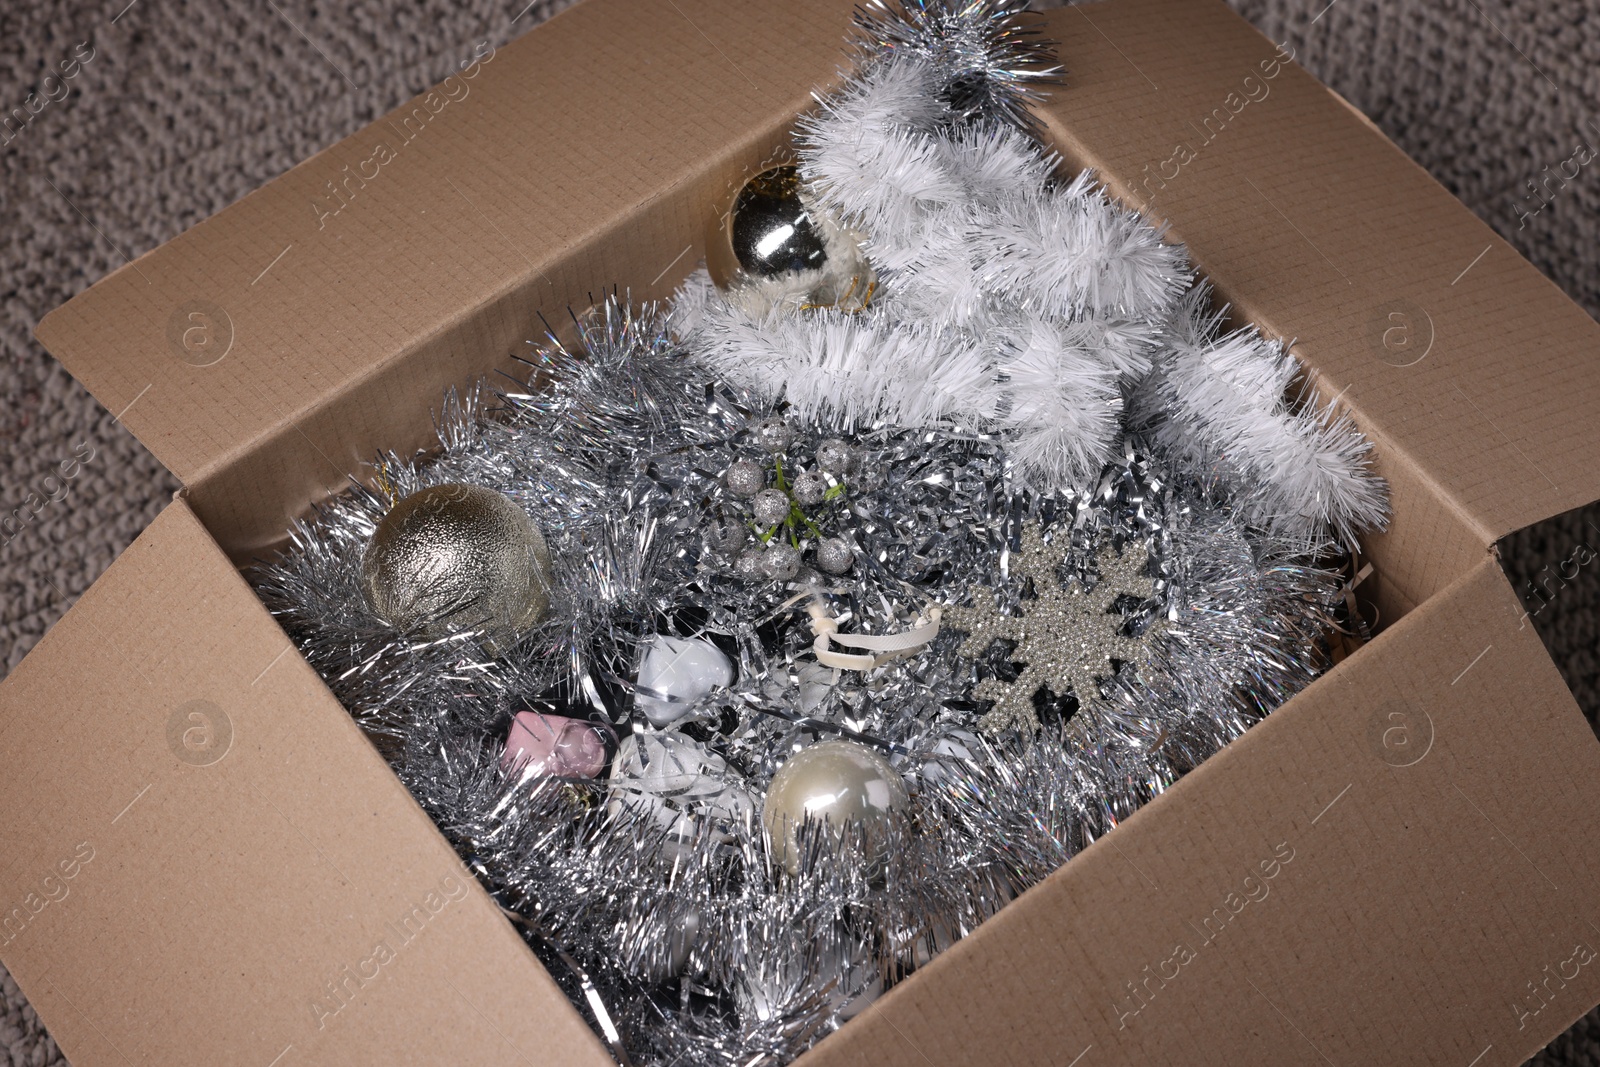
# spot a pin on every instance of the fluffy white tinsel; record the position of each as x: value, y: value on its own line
x: 1013, y: 301
x: 1228, y: 403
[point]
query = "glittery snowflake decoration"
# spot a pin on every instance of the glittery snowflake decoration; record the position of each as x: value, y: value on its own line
x: 1068, y: 639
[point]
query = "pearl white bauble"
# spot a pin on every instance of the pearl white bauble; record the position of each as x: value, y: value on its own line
x: 836, y: 782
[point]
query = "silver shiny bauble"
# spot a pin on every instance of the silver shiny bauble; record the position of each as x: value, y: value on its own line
x: 838, y: 783
x: 772, y: 246
x: 834, y: 555
x: 769, y: 231
x: 771, y: 506
x: 746, y: 478
x: 450, y: 558
x: 810, y: 488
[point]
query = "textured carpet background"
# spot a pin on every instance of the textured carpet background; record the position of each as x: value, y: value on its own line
x: 184, y: 106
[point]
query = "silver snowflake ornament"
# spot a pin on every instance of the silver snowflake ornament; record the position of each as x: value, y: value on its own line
x: 1068, y: 637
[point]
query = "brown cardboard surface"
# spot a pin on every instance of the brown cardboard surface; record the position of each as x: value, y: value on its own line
x: 237, y: 850
x: 1321, y: 231
x: 1422, y: 898
x: 578, y: 157
x: 1431, y: 815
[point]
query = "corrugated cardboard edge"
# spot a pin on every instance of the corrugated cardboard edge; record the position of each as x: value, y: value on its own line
x: 1433, y: 805
x: 1318, y: 229
x: 235, y: 851
x: 548, y: 181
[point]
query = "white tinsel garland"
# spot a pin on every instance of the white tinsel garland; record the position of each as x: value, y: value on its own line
x: 1029, y: 304
x: 1226, y: 402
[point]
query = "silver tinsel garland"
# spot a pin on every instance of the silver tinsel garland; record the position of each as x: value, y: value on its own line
x: 679, y: 936
x: 620, y: 458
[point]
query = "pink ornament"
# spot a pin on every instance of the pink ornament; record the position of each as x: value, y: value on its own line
x: 539, y: 745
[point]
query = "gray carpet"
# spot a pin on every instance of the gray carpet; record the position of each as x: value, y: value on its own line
x: 186, y: 106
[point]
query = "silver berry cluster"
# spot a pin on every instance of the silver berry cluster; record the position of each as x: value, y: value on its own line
x: 786, y: 505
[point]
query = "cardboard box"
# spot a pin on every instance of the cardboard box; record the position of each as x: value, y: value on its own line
x: 199, y: 850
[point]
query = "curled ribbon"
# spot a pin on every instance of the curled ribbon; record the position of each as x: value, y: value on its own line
x: 875, y: 649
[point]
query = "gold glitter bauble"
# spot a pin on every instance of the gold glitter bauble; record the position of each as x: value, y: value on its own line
x: 450, y: 558
x: 838, y: 782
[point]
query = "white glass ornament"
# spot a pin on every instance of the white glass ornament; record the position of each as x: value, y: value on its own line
x: 835, y: 782
x: 678, y: 783
x: 674, y: 673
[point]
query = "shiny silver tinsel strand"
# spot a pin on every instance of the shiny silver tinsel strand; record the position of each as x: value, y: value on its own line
x: 701, y: 943
x: 991, y: 61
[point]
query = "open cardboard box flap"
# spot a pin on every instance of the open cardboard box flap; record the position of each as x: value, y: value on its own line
x: 1425, y: 896
x: 242, y: 849
x: 1314, y: 893
x: 1471, y: 372
x: 333, y: 304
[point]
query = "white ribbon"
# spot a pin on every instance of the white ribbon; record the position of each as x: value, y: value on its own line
x: 879, y: 648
